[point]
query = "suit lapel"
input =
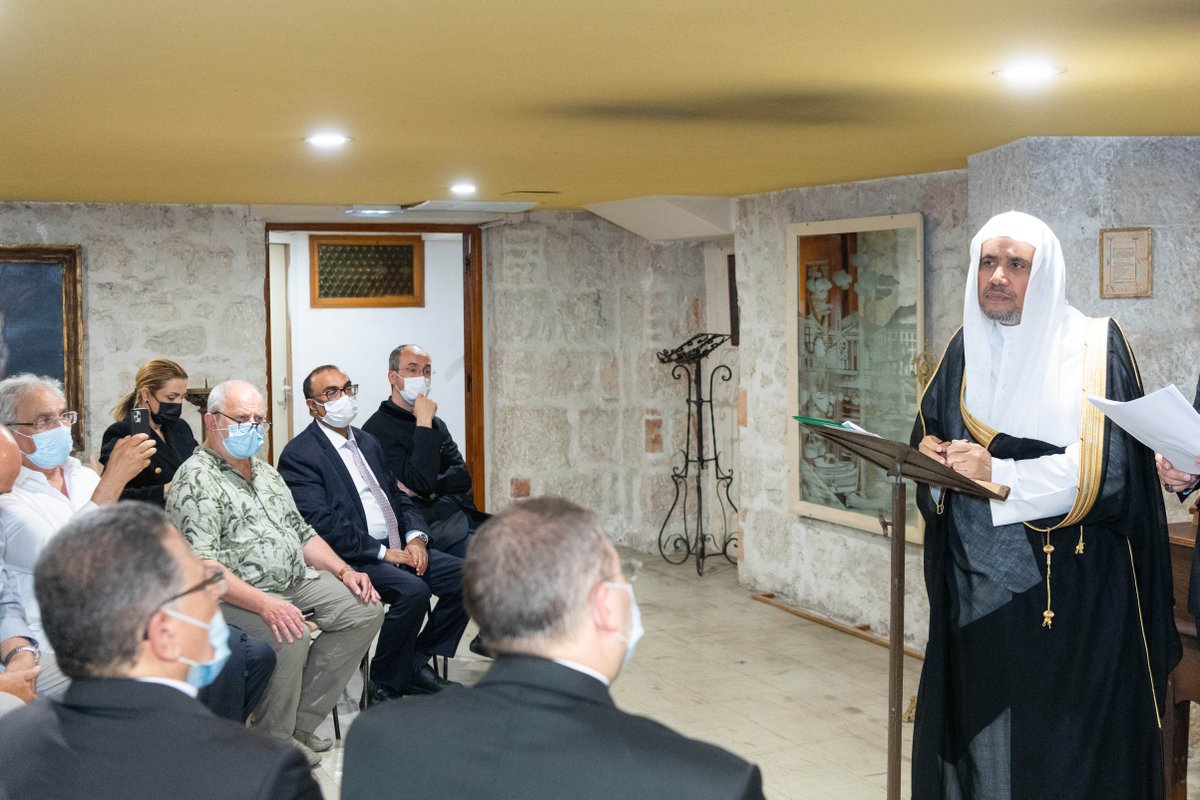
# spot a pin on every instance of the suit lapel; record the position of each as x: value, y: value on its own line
x: 333, y: 461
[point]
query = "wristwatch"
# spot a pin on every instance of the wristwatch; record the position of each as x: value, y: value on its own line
x: 25, y: 648
x: 424, y: 537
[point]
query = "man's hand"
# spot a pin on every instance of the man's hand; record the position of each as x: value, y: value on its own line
x: 933, y: 447
x: 423, y: 410
x: 399, y: 556
x: 22, y: 662
x: 420, y: 555
x: 1174, y: 480
x: 283, y: 618
x: 129, y: 457
x: 21, y: 683
x: 360, y: 584
x: 405, y: 489
x: 969, y: 459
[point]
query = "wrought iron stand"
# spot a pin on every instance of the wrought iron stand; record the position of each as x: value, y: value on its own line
x: 677, y: 548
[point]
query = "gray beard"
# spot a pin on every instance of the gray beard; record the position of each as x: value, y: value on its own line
x: 1012, y: 317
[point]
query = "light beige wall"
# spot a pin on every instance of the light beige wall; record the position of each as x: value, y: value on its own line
x: 181, y: 282
x: 578, y: 405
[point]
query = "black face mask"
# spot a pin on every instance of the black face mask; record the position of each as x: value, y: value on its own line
x: 167, y: 412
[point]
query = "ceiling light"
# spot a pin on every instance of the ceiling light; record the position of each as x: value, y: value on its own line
x: 463, y: 188
x: 1028, y: 73
x: 374, y: 211
x: 327, y: 139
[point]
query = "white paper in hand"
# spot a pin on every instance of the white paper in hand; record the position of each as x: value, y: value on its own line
x: 1164, y: 421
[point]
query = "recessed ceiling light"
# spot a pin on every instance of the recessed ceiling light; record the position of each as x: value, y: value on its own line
x: 463, y: 188
x: 327, y: 139
x: 374, y: 211
x: 1028, y: 73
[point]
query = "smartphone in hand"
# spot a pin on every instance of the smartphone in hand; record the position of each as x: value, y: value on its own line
x: 139, y: 420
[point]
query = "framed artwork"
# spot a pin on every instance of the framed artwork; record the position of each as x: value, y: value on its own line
x: 1126, y: 262
x: 41, y: 317
x: 855, y: 333
x: 366, y: 271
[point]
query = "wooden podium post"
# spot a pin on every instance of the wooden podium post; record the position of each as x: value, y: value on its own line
x: 900, y: 461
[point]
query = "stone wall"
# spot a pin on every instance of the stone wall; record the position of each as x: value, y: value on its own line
x: 575, y: 311
x: 181, y: 282
x: 835, y: 571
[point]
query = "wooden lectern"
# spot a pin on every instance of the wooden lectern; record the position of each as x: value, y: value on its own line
x: 900, y: 461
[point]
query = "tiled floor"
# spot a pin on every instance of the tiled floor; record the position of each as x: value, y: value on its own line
x: 806, y: 703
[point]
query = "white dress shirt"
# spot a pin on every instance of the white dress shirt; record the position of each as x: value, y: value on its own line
x: 30, y: 515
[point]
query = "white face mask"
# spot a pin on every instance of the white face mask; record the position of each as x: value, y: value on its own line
x: 341, y: 412
x: 414, y: 388
x: 635, y: 622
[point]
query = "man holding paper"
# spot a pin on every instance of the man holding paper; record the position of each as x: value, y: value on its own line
x: 1051, y: 633
x: 1183, y: 482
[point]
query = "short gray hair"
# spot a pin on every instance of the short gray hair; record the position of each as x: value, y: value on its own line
x: 530, y: 570
x: 98, y: 582
x: 395, y: 356
x: 14, y: 389
x: 216, y: 397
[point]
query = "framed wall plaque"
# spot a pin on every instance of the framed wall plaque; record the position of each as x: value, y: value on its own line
x: 1126, y: 265
x: 367, y: 271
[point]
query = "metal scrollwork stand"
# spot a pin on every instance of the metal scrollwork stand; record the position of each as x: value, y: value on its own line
x: 677, y: 548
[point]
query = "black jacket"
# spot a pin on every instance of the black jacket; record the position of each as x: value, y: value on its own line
x: 174, y: 447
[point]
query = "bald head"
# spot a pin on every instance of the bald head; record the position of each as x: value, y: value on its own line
x: 10, y: 460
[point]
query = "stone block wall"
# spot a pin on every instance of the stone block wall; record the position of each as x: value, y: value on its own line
x: 836, y: 571
x: 578, y: 405
x: 181, y: 282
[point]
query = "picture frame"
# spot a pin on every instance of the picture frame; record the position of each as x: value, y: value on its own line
x: 856, y: 311
x: 41, y: 318
x: 366, y: 271
x: 1126, y: 262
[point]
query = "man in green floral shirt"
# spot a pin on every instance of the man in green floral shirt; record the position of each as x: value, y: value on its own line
x: 236, y: 512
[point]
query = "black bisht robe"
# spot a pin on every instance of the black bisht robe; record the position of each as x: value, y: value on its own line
x: 1082, y: 699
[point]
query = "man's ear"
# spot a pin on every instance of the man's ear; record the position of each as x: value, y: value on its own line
x: 161, y: 637
x: 606, y: 611
x: 210, y: 421
x: 311, y: 405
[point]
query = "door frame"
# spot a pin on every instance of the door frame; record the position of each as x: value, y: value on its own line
x: 472, y: 323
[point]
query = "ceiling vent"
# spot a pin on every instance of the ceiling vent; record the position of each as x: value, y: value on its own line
x: 666, y: 218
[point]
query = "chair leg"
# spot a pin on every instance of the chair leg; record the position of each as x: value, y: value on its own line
x: 364, y: 669
x: 337, y: 725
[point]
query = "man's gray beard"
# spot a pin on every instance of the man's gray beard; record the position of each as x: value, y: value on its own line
x: 1010, y: 317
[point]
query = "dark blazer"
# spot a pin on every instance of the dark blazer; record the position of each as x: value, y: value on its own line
x: 148, y: 484
x: 141, y: 741
x: 1193, y: 599
x: 326, y: 496
x: 533, y: 728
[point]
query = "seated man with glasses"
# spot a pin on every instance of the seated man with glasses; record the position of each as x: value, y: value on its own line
x: 541, y: 722
x: 51, y: 488
x: 422, y: 454
x: 343, y: 488
x: 134, y: 619
x: 237, y: 513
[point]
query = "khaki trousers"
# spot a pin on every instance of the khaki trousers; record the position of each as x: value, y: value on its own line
x: 310, y: 673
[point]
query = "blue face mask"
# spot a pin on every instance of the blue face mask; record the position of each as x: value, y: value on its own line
x: 244, y: 439
x: 53, y: 447
x: 202, y: 673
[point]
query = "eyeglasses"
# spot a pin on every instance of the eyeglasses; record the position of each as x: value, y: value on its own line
x: 261, y: 424
x: 413, y: 372
x: 334, y: 392
x: 214, y: 576
x: 47, y: 421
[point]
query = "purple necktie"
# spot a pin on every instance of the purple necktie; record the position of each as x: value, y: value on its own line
x: 393, y: 527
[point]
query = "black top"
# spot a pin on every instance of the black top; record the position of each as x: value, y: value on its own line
x: 174, y: 447
x: 426, y: 460
x: 532, y: 728
x: 1008, y: 707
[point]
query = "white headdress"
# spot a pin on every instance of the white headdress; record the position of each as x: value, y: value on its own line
x: 1036, y: 393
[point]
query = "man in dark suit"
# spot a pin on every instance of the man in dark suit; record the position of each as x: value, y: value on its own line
x: 133, y: 617
x: 541, y: 722
x: 1183, y: 482
x: 343, y: 490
